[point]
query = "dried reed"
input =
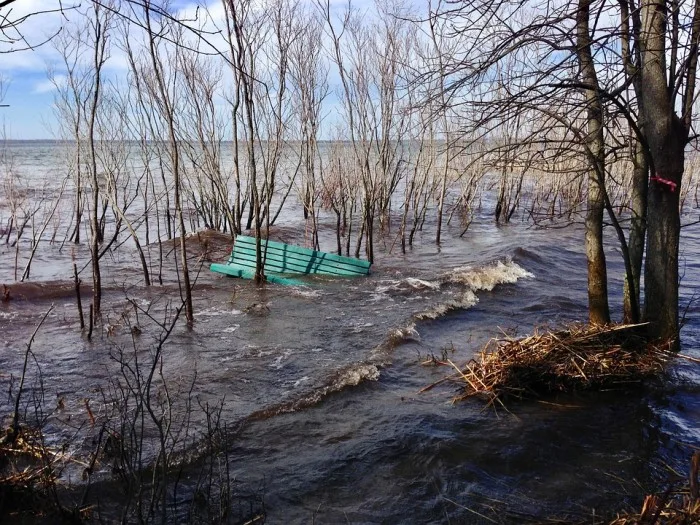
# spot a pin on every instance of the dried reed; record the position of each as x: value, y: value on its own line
x: 674, y: 507
x: 579, y: 357
x: 27, y: 476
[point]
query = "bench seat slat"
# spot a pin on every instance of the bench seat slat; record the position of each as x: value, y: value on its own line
x: 283, y: 259
x: 247, y: 273
x: 303, y: 252
x: 273, y: 265
x: 283, y: 263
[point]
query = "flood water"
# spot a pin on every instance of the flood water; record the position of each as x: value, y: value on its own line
x: 320, y: 382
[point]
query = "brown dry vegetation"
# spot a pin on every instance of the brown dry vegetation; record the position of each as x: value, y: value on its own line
x: 29, y: 471
x: 578, y: 357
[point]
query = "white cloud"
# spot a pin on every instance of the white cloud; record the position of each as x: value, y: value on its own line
x: 37, y: 21
x: 46, y: 86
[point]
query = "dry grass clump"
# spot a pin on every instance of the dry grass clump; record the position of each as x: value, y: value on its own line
x: 28, y: 480
x: 24, y: 473
x: 672, y: 507
x: 664, y: 510
x: 579, y: 357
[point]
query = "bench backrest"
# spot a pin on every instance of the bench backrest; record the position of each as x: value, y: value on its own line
x: 284, y: 258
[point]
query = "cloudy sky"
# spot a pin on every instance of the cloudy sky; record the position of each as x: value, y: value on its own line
x: 27, y: 56
x: 25, y: 84
x: 23, y: 71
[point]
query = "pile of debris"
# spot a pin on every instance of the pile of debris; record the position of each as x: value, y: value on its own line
x: 579, y: 357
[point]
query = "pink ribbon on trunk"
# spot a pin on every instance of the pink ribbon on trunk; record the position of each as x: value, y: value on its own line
x: 671, y: 185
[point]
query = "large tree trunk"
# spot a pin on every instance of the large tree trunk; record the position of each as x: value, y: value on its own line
x: 663, y: 233
x: 598, y: 309
x: 666, y: 135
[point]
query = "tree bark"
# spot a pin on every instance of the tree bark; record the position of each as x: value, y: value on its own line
x: 598, y: 309
x: 638, y: 227
x: 663, y: 235
x: 666, y: 136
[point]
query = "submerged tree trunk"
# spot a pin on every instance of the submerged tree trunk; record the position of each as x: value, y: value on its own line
x: 638, y: 227
x: 598, y: 309
x: 631, y: 295
x: 663, y: 234
x: 666, y: 135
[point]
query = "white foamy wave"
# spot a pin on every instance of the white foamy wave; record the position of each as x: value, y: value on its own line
x: 475, y: 279
x: 277, y: 364
x: 305, y: 292
x: 408, y: 284
x: 467, y: 300
x: 354, y: 376
x: 347, y: 377
x: 487, y: 277
x: 420, y: 284
x: 386, y: 286
x: 408, y: 332
x: 381, y: 354
x: 216, y: 312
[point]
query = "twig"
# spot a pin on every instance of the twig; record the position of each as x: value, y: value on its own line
x: 79, y: 299
x: 436, y: 383
x: 468, y: 509
x: 692, y: 359
x: 14, y: 428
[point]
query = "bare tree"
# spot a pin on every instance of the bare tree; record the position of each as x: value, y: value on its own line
x: 161, y: 83
x: 441, y: 97
x: 308, y: 75
x: 598, y: 309
x: 555, y: 57
x: 666, y: 59
x: 203, y: 131
x: 243, y: 32
x: 369, y: 59
x: 85, y: 50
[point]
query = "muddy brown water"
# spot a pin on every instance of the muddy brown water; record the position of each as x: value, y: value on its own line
x: 320, y: 382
